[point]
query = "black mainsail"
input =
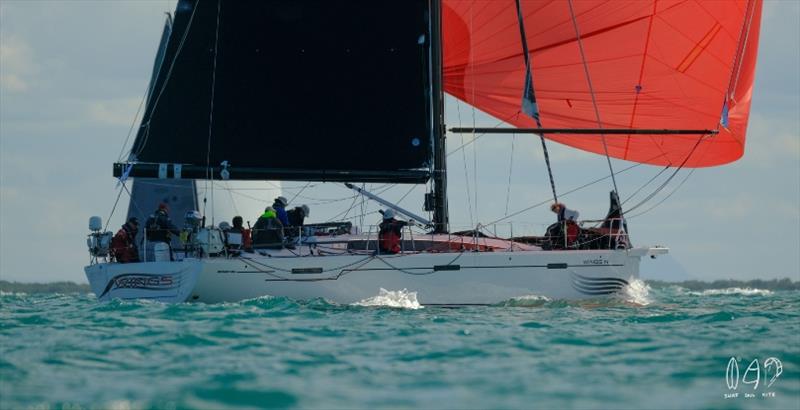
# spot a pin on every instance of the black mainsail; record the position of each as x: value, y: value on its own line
x: 292, y: 90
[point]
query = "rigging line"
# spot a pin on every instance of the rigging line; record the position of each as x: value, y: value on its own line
x: 666, y: 197
x: 663, y: 185
x: 406, y: 194
x: 363, y: 208
x: 472, y: 89
x: 343, y: 214
x: 133, y: 124
x: 408, y: 272
x: 275, y: 268
x: 510, y: 171
x: 529, y: 97
x: 360, y: 216
x: 480, y: 135
x: 228, y: 188
x: 363, y: 214
x: 261, y: 200
x: 135, y: 203
x: 475, y: 169
x: 267, y: 189
x: 464, y: 160
x: 677, y: 187
x: 644, y: 185
x: 209, y: 173
x: 300, y: 191
x: 166, y: 80
x: 594, y: 100
x: 564, y: 194
x: 114, y: 208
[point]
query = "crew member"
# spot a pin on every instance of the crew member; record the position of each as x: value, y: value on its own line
x: 268, y: 230
x: 564, y: 213
x: 160, y: 228
x: 238, y: 227
x: 280, y: 209
x: 565, y: 232
x: 390, y: 233
x: 123, y: 244
x: 296, y: 216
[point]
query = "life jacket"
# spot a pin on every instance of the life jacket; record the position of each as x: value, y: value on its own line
x: 572, y: 232
x: 389, y: 236
x: 247, y: 240
x: 123, y: 248
x: 389, y: 241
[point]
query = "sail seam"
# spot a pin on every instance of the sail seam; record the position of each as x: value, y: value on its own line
x: 641, y: 76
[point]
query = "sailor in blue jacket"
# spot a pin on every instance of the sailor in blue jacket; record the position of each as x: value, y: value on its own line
x: 280, y: 210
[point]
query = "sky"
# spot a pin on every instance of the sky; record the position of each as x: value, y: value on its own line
x: 72, y: 74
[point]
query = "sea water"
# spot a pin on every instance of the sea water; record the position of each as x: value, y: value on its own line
x: 662, y: 348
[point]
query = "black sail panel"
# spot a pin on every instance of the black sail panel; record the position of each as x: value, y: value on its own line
x: 301, y: 88
x: 147, y: 193
x: 159, y: 60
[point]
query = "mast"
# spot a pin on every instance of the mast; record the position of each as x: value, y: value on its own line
x: 441, y: 219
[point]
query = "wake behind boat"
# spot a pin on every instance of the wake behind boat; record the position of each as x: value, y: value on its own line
x: 353, y: 92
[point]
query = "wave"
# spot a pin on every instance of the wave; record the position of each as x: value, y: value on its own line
x: 699, y: 285
x: 637, y: 292
x: 395, y: 299
x: 525, y: 301
x: 733, y: 291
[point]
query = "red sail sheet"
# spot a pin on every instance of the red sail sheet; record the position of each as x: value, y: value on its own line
x: 660, y: 64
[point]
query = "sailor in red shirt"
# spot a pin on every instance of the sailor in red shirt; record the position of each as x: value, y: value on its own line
x: 391, y: 233
x: 123, y: 245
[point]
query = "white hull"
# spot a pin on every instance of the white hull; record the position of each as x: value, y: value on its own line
x: 448, y: 278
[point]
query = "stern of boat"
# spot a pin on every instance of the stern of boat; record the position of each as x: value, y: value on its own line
x: 170, y: 282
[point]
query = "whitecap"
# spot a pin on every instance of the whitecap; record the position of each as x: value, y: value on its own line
x: 636, y: 292
x: 390, y: 298
x: 533, y: 298
x: 4, y: 293
x: 734, y: 291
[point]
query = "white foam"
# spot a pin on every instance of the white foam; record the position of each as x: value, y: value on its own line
x: 531, y: 298
x: 526, y: 301
x: 391, y: 298
x: 637, y: 292
x: 733, y: 291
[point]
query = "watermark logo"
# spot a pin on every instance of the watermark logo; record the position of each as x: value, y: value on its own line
x: 757, y: 373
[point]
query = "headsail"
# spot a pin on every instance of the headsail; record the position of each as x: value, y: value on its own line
x: 311, y: 90
x: 657, y: 64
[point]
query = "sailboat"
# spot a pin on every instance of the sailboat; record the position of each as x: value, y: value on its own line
x: 353, y: 92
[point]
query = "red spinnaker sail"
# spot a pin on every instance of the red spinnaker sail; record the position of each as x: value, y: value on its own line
x: 658, y: 64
